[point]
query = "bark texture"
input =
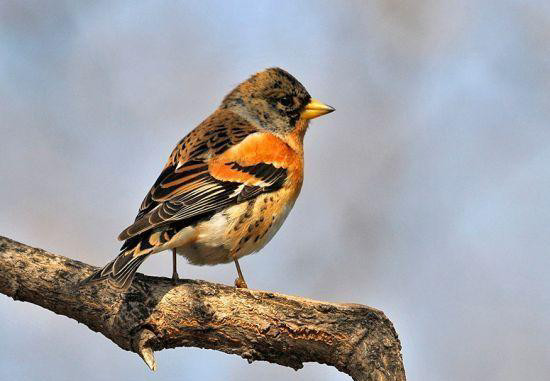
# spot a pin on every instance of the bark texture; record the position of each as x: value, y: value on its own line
x: 256, y: 325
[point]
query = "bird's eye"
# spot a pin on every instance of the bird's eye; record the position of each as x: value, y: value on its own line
x: 286, y: 100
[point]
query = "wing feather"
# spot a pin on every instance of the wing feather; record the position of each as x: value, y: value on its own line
x: 187, y: 189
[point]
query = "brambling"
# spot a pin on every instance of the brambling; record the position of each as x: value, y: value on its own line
x: 228, y: 185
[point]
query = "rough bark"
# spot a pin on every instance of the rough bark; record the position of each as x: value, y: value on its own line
x: 256, y: 325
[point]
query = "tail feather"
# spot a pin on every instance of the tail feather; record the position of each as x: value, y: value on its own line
x: 119, y: 273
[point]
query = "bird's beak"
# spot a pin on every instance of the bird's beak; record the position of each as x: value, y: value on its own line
x: 315, y: 108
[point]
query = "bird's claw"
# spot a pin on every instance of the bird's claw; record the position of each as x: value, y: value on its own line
x: 240, y: 283
x: 175, y: 278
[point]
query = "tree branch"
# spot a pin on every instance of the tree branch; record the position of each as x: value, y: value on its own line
x: 255, y: 325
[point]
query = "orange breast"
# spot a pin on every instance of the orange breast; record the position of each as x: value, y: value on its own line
x: 258, y: 148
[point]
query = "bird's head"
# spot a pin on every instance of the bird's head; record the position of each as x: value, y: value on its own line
x: 274, y: 100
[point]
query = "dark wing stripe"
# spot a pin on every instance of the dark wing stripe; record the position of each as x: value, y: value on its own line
x: 274, y: 175
x: 263, y: 172
x: 268, y: 173
x: 219, y: 144
x: 199, y: 150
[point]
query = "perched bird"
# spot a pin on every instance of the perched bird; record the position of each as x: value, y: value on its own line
x: 228, y: 185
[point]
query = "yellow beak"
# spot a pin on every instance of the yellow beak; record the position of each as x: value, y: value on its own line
x: 315, y: 108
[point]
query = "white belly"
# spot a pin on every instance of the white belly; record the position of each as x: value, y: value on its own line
x: 239, y: 230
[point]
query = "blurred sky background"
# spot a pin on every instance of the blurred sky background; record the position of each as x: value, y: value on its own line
x: 427, y: 192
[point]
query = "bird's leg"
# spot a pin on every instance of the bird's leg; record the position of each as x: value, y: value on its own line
x: 175, y: 276
x: 239, y: 282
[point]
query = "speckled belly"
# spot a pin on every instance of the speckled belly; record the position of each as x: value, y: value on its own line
x: 239, y: 230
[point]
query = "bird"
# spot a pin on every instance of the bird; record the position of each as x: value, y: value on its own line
x: 228, y: 185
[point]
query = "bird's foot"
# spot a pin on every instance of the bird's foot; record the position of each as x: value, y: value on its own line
x: 240, y: 283
x: 175, y: 278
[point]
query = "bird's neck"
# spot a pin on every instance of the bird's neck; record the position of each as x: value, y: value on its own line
x: 295, y: 139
